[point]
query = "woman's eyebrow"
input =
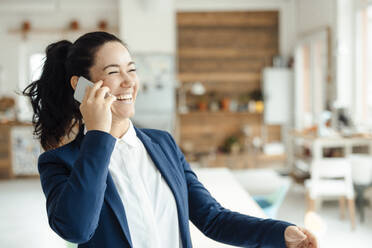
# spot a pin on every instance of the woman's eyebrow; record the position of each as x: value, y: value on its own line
x: 112, y: 65
x: 116, y: 65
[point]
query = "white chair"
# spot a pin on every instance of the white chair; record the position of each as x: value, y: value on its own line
x: 331, y: 177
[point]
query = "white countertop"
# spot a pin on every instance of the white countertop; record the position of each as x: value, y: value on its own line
x: 223, y: 186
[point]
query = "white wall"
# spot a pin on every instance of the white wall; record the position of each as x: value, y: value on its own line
x: 42, y: 14
x: 148, y: 25
x: 311, y: 15
x: 338, y: 15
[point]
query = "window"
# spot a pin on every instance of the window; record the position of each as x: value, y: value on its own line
x: 363, y: 99
x: 311, y: 77
x: 35, y: 66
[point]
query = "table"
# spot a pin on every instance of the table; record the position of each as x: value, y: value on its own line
x: 220, y: 182
x: 317, y: 144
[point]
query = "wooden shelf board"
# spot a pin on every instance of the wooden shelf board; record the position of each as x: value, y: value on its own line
x: 60, y: 30
x: 228, y: 19
x: 220, y: 76
x: 220, y: 52
x: 219, y: 113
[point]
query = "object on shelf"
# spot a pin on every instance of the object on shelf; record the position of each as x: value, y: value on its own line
x: 102, y: 24
x: 26, y: 26
x: 202, y: 106
x: 203, y: 103
x: 243, y: 103
x: 213, y: 104
x: 256, y: 98
x: 252, y: 106
x: 225, y: 104
x: 232, y: 145
x: 197, y: 89
x: 259, y: 107
x: 74, y: 25
x: 233, y: 105
x: 256, y: 95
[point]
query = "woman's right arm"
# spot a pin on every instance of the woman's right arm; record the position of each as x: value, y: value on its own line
x: 75, y: 196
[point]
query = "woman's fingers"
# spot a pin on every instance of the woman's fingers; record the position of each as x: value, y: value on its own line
x: 110, y: 99
x: 310, y: 237
x: 93, y: 90
x: 102, y: 92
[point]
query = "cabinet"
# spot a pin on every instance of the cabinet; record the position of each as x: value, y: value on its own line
x: 19, y: 150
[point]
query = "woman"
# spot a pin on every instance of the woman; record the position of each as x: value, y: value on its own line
x: 114, y: 185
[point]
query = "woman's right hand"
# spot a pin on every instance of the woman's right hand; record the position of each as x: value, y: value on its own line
x: 96, y: 109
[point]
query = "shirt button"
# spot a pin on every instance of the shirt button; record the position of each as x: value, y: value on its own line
x: 121, y: 141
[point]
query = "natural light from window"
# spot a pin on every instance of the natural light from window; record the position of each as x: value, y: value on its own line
x: 36, y: 65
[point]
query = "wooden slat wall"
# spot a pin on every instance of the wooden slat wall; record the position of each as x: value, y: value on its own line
x: 226, y: 51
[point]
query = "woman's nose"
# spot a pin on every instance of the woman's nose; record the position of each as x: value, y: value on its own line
x: 127, y: 83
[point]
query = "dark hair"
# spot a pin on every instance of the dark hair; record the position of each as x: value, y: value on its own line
x: 56, y: 111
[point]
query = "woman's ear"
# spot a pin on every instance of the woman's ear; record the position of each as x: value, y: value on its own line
x: 74, y: 81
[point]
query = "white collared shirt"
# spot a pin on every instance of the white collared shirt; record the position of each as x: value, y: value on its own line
x: 149, y: 203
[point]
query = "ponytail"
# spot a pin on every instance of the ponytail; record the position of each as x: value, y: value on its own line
x: 53, y: 111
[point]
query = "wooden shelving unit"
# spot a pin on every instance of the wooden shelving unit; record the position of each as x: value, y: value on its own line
x: 226, y: 52
x: 5, y: 152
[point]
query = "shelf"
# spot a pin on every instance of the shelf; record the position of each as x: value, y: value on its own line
x: 219, y: 114
x: 60, y: 31
x: 220, y: 52
x: 220, y: 76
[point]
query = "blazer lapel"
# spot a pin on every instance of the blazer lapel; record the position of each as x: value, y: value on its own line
x: 113, y: 199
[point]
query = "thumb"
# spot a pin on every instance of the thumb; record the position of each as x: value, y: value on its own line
x: 293, y: 235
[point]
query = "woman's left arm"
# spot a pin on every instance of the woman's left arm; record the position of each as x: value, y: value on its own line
x: 227, y: 226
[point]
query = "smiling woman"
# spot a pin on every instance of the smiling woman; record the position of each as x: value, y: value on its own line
x: 115, y: 185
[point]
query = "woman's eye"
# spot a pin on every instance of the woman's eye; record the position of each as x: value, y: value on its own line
x: 112, y: 72
x: 132, y: 70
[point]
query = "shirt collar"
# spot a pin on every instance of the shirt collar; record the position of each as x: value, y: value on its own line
x: 129, y: 138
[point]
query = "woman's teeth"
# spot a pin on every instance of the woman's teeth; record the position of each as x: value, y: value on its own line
x: 125, y: 98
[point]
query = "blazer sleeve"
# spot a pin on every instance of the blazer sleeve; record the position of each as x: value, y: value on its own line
x: 74, y: 197
x: 224, y: 225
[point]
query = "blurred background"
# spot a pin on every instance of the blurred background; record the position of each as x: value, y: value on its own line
x: 270, y: 101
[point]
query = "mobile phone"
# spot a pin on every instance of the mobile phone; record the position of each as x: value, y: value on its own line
x: 80, y: 88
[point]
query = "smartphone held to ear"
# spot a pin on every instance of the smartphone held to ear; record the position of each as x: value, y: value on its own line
x: 80, y: 88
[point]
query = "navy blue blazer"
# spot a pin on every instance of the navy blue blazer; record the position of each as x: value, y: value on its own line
x: 84, y: 207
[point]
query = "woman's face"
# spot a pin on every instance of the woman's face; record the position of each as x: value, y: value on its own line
x: 114, y: 65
